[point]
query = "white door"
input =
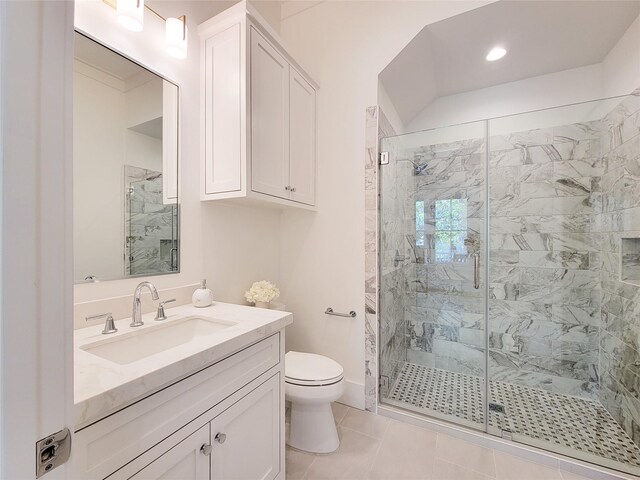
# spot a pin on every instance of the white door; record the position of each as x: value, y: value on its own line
x: 246, y: 436
x: 302, y: 132
x: 36, y: 286
x: 269, y: 119
x: 188, y: 460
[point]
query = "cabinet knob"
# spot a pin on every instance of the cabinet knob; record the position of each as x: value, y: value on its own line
x: 287, y: 188
x: 220, y: 437
x: 293, y: 189
x: 206, y: 449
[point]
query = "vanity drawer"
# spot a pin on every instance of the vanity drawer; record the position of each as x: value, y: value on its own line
x: 114, y: 441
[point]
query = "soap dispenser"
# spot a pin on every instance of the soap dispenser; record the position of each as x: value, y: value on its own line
x: 202, y: 297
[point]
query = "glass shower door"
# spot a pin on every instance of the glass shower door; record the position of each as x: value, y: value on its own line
x: 564, y: 361
x: 432, y: 278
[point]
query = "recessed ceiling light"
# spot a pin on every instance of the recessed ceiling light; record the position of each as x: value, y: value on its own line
x: 496, y: 53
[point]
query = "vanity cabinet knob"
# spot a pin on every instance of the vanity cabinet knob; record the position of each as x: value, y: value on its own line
x: 220, y: 437
x: 206, y: 449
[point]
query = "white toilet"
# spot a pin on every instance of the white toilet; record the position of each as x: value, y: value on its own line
x: 312, y: 382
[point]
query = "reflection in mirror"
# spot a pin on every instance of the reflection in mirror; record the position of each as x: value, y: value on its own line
x: 125, y: 167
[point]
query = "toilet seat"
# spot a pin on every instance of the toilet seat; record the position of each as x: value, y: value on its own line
x: 309, y: 369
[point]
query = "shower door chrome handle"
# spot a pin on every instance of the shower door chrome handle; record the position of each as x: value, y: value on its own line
x: 476, y: 270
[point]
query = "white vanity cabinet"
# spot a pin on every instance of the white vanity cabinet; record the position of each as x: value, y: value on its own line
x: 225, y: 421
x: 185, y: 460
x: 259, y: 115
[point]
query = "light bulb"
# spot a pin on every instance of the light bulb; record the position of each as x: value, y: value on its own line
x: 131, y: 14
x: 496, y: 53
x: 176, y: 37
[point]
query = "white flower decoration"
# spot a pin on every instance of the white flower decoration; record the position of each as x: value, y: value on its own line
x: 262, y: 291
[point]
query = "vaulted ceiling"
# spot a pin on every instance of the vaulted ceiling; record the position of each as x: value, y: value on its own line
x: 448, y: 57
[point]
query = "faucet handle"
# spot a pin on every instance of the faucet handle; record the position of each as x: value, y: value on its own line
x: 160, y: 313
x: 109, y: 324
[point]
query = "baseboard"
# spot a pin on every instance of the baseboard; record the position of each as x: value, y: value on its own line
x: 353, y: 395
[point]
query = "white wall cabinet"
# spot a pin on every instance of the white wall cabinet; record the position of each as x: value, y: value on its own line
x: 259, y: 115
x: 225, y: 422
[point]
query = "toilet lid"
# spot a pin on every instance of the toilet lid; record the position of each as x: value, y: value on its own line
x: 309, y: 368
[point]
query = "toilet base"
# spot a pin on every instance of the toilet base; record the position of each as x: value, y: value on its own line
x: 313, y: 428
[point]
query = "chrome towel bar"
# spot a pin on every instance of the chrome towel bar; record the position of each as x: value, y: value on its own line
x: 329, y: 311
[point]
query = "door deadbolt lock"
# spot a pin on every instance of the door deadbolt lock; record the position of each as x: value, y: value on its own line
x: 52, y: 451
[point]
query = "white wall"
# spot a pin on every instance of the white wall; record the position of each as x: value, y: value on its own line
x: 343, y: 45
x: 230, y: 246
x: 389, y: 109
x: 545, y: 91
x: 621, y: 67
x: 98, y: 153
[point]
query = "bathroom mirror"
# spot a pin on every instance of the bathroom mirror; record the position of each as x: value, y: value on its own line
x: 125, y: 167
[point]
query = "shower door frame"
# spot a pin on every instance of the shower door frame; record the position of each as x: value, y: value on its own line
x: 564, y: 454
x: 483, y: 428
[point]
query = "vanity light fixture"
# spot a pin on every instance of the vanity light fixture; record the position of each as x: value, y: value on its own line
x: 175, y: 40
x: 131, y: 14
x: 496, y: 53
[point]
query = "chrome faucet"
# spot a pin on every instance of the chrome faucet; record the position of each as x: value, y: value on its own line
x: 136, y: 319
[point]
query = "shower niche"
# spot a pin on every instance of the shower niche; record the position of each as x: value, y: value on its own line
x: 630, y: 260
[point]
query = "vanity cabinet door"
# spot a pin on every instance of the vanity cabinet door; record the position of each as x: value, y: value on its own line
x: 269, y: 118
x: 246, y: 437
x: 187, y: 460
x: 302, y: 131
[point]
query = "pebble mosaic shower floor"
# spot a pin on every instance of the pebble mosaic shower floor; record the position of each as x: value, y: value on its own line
x: 565, y: 421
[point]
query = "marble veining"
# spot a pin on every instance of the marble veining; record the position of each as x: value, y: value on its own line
x: 619, y: 347
x: 102, y: 387
x: 150, y: 226
x: 564, y: 299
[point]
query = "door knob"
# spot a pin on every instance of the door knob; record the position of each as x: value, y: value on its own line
x: 206, y: 449
x: 220, y: 437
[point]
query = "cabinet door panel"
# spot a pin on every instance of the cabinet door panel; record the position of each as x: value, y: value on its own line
x: 302, y: 157
x: 251, y: 447
x: 184, y: 461
x: 223, y: 112
x: 269, y: 118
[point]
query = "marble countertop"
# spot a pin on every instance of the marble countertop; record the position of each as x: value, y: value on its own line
x: 102, y: 387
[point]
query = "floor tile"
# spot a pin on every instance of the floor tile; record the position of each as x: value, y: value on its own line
x: 509, y: 467
x: 351, y: 461
x: 443, y: 470
x: 571, y: 476
x: 298, y: 463
x: 404, y: 453
x: 580, y: 424
x: 365, y: 422
x: 339, y: 411
x: 466, y: 454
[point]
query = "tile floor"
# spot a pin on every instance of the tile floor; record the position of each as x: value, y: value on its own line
x: 576, y: 424
x: 376, y: 447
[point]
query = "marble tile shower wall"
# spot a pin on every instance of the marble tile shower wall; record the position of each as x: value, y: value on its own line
x: 544, y: 291
x: 444, y: 313
x: 395, y: 191
x: 149, y: 223
x: 620, y: 219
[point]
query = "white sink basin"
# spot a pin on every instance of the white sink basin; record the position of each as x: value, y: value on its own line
x: 137, y: 345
